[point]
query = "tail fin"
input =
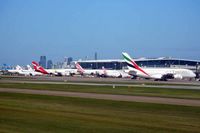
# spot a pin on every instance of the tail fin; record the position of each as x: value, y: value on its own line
x: 131, y: 63
x: 29, y: 67
x: 18, y: 67
x: 79, y: 68
x: 35, y: 65
x: 39, y: 68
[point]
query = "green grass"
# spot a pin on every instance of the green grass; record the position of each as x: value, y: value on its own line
x: 36, y: 113
x: 141, y: 91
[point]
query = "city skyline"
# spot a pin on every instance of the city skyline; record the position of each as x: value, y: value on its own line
x: 78, y: 29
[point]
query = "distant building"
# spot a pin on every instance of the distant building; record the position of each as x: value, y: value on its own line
x: 69, y: 60
x: 49, y: 64
x: 143, y: 62
x: 43, y: 61
x: 95, y: 56
x: 65, y: 63
x: 59, y: 65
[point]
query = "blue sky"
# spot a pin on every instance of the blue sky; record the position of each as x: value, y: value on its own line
x: 79, y: 28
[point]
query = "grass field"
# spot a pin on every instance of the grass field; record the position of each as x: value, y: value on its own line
x: 25, y: 113
x: 144, y: 91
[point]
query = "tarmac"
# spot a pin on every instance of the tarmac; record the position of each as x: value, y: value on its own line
x: 171, y: 84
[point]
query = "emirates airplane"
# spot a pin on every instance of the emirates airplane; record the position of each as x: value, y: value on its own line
x: 156, y: 73
x: 61, y: 72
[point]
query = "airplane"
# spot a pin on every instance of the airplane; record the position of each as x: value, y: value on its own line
x: 101, y: 72
x: 57, y: 72
x: 16, y: 70
x: 30, y: 71
x: 156, y: 73
x: 114, y: 73
x: 82, y: 71
x: 38, y: 68
x: 20, y: 70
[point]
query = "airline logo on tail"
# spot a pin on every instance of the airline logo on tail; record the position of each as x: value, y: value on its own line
x: 131, y: 63
x: 79, y: 68
x: 39, y: 68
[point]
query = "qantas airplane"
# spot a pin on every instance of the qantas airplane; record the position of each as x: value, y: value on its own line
x: 115, y: 73
x: 82, y: 71
x: 60, y: 72
x: 30, y: 71
x: 156, y: 73
x: 101, y: 72
x: 20, y: 70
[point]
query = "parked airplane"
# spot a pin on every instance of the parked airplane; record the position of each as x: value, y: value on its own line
x: 59, y: 72
x: 20, y: 70
x: 101, y: 72
x: 38, y: 68
x: 82, y: 71
x: 16, y: 70
x: 115, y: 73
x: 156, y: 73
x: 30, y: 71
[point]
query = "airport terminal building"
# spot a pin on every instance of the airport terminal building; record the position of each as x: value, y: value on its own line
x: 118, y: 64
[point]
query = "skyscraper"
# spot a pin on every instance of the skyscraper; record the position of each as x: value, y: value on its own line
x: 69, y: 60
x: 43, y: 61
x: 65, y: 63
x: 49, y: 64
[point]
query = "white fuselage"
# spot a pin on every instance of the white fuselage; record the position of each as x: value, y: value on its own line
x: 21, y: 71
x: 101, y: 72
x: 63, y: 72
x: 29, y: 72
x: 90, y: 72
x: 13, y: 71
x: 158, y: 73
x: 114, y: 73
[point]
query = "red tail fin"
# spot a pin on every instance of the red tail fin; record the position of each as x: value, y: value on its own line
x: 39, y: 68
x: 35, y: 65
x: 79, y: 68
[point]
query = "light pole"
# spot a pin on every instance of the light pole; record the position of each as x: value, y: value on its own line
x: 197, y: 65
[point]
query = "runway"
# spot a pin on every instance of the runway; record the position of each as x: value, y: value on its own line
x: 105, y: 82
x: 102, y: 80
x: 159, y: 100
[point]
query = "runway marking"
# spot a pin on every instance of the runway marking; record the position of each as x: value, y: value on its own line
x: 171, y: 101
